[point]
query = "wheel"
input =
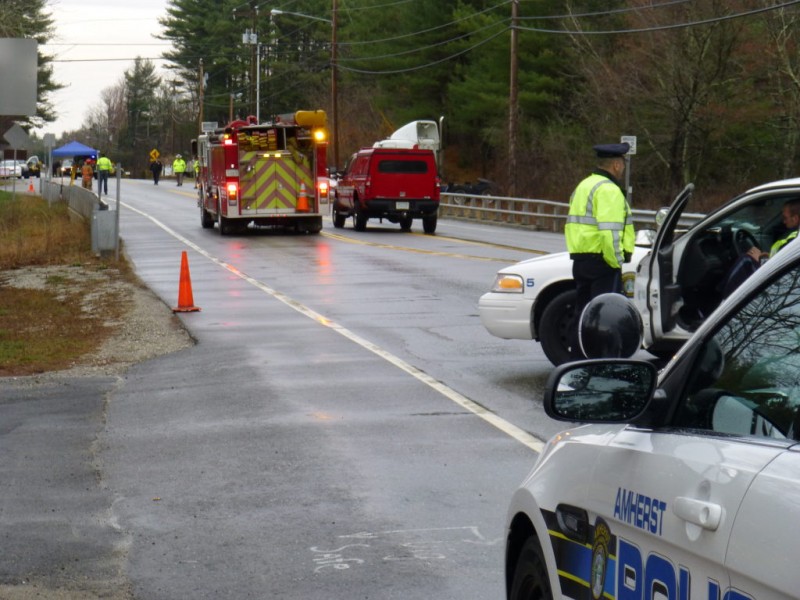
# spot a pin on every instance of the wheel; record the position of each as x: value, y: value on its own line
x: 206, y: 220
x: 338, y: 219
x: 429, y: 224
x: 555, y: 327
x: 530, y: 575
x: 405, y: 223
x: 222, y: 222
x: 361, y: 221
x: 460, y: 200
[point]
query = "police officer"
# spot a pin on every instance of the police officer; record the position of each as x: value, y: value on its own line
x: 104, y: 167
x: 179, y: 168
x: 599, y: 230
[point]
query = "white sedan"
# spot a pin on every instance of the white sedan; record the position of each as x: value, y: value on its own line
x: 534, y: 299
x: 679, y: 485
x: 11, y: 168
x: 674, y: 285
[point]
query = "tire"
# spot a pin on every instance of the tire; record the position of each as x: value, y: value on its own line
x: 361, y: 222
x: 429, y: 224
x: 460, y: 200
x: 530, y: 574
x: 222, y: 222
x: 555, y: 327
x: 338, y: 219
x: 405, y: 223
x: 206, y: 220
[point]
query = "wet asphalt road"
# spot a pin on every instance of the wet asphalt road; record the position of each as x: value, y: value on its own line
x: 327, y: 436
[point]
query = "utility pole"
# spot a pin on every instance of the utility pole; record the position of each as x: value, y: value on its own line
x: 334, y: 77
x: 513, y: 102
x: 200, y: 97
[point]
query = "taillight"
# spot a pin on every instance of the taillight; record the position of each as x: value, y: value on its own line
x: 323, y: 189
x: 233, y: 190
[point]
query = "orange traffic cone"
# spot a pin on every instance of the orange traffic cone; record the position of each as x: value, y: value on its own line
x: 302, y: 199
x: 185, y: 299
x: 30, y: 186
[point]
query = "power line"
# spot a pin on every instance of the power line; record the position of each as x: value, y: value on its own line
x: 428, y: 47
x: 430, y: 64
x: 710, y: 21
x: 407, y: 35
x: 605, y: 13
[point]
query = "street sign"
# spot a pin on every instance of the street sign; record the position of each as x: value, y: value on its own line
x: 49, y: 140
x: 154, y: 154
x: 207, y: 126
x: 631, y: 140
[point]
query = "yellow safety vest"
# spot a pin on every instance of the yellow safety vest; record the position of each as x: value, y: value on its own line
x: 781, y: 243
x: 104, y: 164
x: 600, y: 221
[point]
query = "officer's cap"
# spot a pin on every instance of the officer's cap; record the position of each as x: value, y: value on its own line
x: 612, y: 150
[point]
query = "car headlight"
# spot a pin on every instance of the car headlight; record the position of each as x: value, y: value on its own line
x: 508, y: 284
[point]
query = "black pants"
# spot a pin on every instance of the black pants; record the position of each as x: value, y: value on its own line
x: 593, y: 276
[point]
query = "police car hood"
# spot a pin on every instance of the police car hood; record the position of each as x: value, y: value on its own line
x: 541, y: 261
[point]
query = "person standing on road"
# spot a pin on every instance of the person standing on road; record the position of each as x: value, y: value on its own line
x: 196, y: 172
x: 599, y: 231
x: 87, y: 174
x: 155, y: 169
x: 179, y: 168
x: 104, y: 167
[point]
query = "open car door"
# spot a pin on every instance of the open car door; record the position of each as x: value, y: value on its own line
x: 661, y: 291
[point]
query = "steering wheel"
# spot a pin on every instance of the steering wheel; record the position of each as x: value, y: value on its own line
x: 743, y: 240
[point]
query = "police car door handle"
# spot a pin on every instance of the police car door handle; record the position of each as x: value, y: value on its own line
x: 705, y: 514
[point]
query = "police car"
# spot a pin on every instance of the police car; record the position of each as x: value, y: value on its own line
x: 677, y: 485
x: 676, y: 277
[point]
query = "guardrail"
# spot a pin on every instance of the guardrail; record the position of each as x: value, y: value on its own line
x: 541, y: 215
x: 80, y: 200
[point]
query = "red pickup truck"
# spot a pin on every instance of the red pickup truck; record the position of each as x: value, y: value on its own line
x: 396, y: 184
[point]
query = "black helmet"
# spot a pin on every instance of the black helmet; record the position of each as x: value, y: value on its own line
x: 610, y: 327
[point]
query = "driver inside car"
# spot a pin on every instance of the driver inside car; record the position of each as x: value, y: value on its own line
x: 748, y: 262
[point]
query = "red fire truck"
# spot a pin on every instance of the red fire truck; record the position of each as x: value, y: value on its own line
x: 270, y: 174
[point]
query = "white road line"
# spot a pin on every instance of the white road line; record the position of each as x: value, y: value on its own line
x: 509, y: 429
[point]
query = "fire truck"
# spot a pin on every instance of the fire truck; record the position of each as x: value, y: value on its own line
x: 270, y: 174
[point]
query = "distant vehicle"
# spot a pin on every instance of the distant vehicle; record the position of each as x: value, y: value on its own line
x: 398, y: 184
x: 11, y: 168
x: 680, y: 484
x: 66, y: 167
x: 33, y: 167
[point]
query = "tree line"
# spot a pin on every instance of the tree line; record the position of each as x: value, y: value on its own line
x: 710, y: 89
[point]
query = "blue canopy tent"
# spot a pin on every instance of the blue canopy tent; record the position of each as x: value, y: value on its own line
x: 75, y: 149
x: 72, y: 151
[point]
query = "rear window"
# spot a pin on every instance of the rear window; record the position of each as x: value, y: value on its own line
x: 403, y: 166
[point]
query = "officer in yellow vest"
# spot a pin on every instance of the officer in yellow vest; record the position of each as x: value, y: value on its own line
x: 179, y: 167
x: 104, y: 167
x: 751, y: 260
x: 599, y: 229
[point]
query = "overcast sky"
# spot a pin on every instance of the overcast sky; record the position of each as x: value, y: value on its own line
x: 89, y: 30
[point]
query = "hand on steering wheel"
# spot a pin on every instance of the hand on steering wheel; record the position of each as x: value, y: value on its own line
x: 743, y: 242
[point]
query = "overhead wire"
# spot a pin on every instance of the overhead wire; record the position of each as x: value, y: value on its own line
x: 653, y: 28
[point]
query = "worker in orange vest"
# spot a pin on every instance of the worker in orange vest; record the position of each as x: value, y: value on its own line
x: 87, y: 173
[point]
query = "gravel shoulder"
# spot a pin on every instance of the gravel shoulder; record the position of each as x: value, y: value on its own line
x: 147, y: 327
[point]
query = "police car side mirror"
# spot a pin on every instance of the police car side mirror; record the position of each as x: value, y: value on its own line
x: 600, y: 391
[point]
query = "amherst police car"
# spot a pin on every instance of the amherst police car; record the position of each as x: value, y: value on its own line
x: 681, y: 485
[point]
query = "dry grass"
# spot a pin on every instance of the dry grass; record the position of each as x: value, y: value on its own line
x: 49, y: 327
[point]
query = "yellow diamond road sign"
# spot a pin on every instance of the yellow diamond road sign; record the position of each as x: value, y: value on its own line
x: 154, y: 154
